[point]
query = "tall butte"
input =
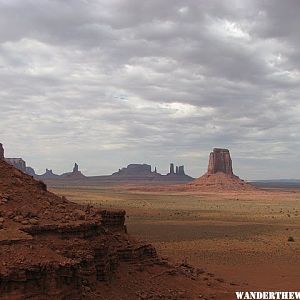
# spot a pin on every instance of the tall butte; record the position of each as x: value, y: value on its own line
x: 220, y: 161
x: 219, y: 175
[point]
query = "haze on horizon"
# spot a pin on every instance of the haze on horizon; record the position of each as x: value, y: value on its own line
x: 108, y: 83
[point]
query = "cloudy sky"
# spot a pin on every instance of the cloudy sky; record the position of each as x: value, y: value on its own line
x: 106, y: 83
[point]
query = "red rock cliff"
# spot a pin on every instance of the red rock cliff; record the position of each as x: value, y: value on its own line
x: 220, y: 161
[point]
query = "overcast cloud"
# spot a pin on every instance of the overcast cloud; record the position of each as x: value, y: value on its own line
x: 106, y: 83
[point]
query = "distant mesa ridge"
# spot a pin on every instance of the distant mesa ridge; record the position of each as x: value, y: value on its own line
x: 131, y: 172
x: 144, y: 172
x: 49, y: 175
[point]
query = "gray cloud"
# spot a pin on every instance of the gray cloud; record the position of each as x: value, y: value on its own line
x: 107, y: 83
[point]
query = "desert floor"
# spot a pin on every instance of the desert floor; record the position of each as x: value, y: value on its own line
x: 242, y: 237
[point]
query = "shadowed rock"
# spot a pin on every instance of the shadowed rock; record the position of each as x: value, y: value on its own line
x: 18, y: 163
x: 76, y: 168
x: 181, y: 170
x: 172, y: 168
x: 135, y: 170
x: 48, y: 175
x: 30, y: 171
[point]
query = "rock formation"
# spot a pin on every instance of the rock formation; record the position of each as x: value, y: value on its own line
x: 51, y: 248
x: 1, y: 152
x: 135, y: 170
x: 75, y: 174
x: 75, y: 168
x: 172, y: 169
x: 48, y: 175
x: 181, y: 170
x: 219, y: 175
x: 220, y: 161
x: 18, y: 163
x: 142, y: 172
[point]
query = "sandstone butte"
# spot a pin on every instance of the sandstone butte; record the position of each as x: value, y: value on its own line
x: 51, y: 248
x: 219, y: 175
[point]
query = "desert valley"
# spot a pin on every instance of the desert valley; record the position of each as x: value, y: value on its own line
x: 201, y: 239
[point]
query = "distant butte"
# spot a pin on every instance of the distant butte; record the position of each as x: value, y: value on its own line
x: 219, y: 175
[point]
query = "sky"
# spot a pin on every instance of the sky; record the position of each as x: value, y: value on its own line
x: 105, y: 83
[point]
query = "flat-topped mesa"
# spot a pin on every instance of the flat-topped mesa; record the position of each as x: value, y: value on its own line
x: 1, y: 152
x: 135, y: 170
x: 220, y: 161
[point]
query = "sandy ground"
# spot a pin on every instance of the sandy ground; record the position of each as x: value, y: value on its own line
x: 242, y: 237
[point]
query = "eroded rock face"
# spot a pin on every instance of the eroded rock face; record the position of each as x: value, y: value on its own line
x: 30, y: 171
x: 220, y: 161
x: 18, y: 163
x: 1, y: 152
